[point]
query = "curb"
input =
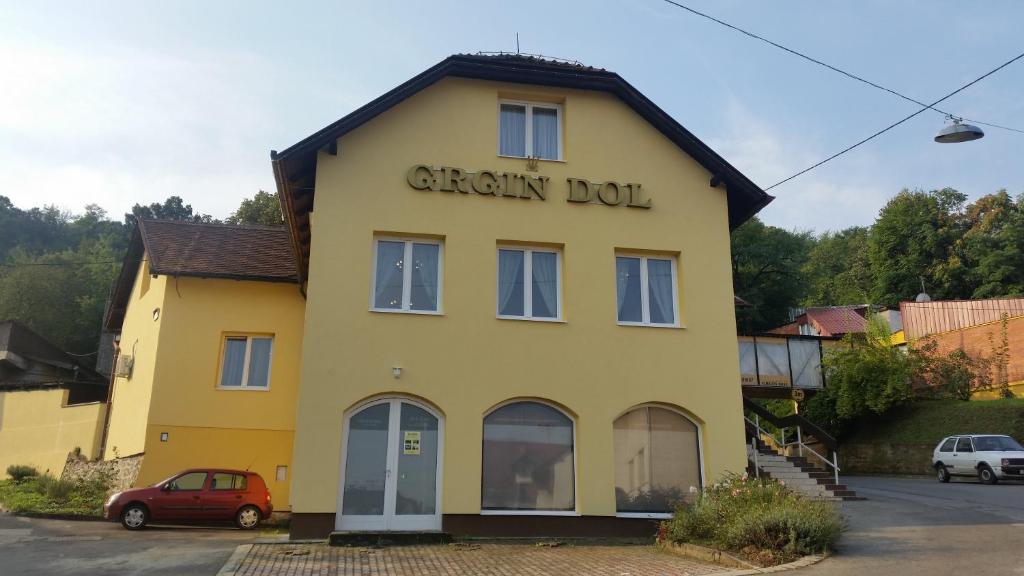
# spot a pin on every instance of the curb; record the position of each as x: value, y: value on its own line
x: 54, y: 516
x: 725, y: 559
x: 235, y: 561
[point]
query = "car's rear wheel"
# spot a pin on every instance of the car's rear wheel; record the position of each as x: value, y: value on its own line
x: 134, y: 517
x: 247, y: 517
x: 987, y: 476
x: 942, y: 473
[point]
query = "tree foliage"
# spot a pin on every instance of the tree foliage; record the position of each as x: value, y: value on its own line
x: 57, y: 268
x: 767, y: 272
x: 264, y: 208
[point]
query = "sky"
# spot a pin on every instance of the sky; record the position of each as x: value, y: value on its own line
x: 116, y: 103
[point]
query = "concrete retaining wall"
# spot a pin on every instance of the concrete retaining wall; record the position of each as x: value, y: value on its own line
x: 121, y: 471
x: 886, y: 458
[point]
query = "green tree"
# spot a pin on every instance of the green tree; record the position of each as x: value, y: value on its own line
x: 916, y: 236
x: 174, y: 208
x: 994, y: 245
x: 264, y: 208
x: 838, y: 270
x: 767, y: 272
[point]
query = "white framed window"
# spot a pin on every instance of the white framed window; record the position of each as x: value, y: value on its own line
x: 646, y: 290
x: 245, y: 363
x: 407, y: 276
x: 529, y: 283
x: 529, y: 130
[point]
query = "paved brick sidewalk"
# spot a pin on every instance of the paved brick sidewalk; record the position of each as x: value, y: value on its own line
x: 467, y: 559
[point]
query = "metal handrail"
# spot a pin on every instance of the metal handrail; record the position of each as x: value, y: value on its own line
x: 783, y: 445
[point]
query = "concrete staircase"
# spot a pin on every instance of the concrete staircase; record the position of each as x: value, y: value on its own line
x: 799, y: 474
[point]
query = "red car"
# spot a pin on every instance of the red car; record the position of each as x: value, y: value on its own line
x: 194, y: 495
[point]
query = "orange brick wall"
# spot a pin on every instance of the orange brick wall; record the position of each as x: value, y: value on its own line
x: 975, y: 341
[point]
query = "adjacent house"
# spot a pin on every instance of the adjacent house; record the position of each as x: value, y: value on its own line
x: 501, y: 305
x: 210, y: 323
x: 831, y: 321
x: 51, y: 403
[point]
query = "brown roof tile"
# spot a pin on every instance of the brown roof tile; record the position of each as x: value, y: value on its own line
x: 218, y: 250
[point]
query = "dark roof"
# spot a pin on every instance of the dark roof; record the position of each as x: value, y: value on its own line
x: 23, y: 342
x: 295, y: 167
x: 174, y: 248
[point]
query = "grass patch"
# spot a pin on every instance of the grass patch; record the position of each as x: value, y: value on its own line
x: 928, y: 421
x: 760, y: 519
x: 49, y: 495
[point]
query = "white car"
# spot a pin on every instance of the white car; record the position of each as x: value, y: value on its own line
x: 990, y: 457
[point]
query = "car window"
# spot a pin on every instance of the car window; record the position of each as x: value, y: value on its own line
x: 947, y: 446
x: 224, y: 481
x: 996, y: 444
x: 190, y: 481
x: 964, y: 445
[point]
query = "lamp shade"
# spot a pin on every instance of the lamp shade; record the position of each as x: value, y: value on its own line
x: 958, y: 132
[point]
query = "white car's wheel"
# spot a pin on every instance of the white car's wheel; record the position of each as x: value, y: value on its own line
x: 987, y: 476
x: 942, y: 473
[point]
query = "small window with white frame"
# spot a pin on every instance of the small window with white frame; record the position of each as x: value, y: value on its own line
x: 245, y: 362
x: 407, y: 276
x: 529, y: 283
x: 529, y: 130
x: 646, y: 290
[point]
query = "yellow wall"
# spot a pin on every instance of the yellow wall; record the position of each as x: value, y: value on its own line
x: 37, y: 429
x: 467, y: 361
x: 261, y: 451
x: 139, y: 338
x: 179, y: 394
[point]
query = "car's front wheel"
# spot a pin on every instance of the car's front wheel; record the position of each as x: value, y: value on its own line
x: 942, y: 473
x: 987, y: 476
x: 134, y: 517
x: 247, y: 517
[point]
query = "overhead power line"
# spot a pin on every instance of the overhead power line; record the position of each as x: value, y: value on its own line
x: 895, y: 124
x: 834, y: 68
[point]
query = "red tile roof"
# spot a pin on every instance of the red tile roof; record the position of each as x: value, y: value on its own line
x: 838, y: 320
x: 218, y: 250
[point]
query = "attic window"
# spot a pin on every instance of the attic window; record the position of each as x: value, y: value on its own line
x: 529, y: 130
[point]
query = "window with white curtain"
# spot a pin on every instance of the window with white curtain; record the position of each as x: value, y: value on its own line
x: 529, y: 283
x: 526, y: 129
x: 646, y: 290
x: 528, y: 463
x: 246, y: 362
x: 657, y: 460
x: 407, y: 276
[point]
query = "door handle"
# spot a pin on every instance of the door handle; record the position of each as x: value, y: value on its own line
x: 195, y: 497
x: 238, y: 497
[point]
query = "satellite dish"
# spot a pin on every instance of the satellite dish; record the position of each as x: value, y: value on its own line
x: 958, y: 132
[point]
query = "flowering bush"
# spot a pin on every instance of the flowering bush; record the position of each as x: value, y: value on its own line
x: 761, y: 519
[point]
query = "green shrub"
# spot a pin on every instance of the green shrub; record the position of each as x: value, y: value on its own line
x: 48, y: 495
x: 19, y: 472
x: 761, y: 519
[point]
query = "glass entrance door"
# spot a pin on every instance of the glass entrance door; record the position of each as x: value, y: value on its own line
x: 391, y: 468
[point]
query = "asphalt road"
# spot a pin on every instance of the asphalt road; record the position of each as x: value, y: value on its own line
x: 906, y: 527
x: 58, y: 548
x: 919, y: 526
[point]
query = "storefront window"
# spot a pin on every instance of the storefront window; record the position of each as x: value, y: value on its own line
x: 657, y: 460
x: 528, y: 459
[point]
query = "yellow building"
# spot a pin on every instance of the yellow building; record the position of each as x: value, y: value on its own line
x: 51, y: 403
x: 519, y: 310
x: 210, y: 324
